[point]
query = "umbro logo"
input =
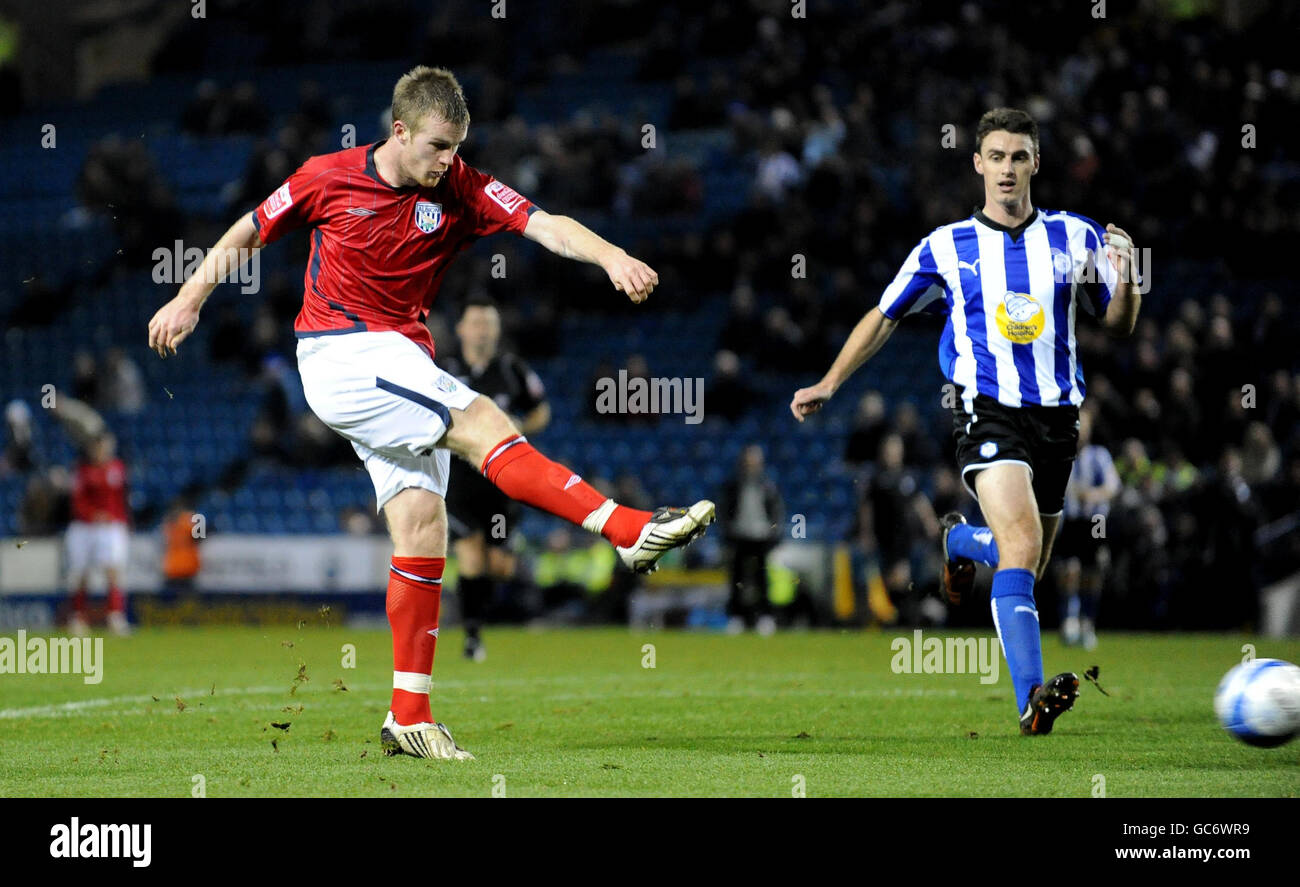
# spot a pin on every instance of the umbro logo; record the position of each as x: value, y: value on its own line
x: 360, y: 211
x: 974, y: 268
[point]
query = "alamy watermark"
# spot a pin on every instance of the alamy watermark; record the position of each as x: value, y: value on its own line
x: 175, y: 264
x: 946, y: 655
x: 78, y: 840
x: 38, y: 655
x: 642, y: 395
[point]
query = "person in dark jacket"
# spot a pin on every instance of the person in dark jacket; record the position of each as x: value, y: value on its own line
x: 752, y: 514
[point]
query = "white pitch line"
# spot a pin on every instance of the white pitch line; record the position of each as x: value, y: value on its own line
x: 93, y: 706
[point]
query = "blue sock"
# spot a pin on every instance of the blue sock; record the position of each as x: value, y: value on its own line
x: 976, y: 543
x: 1016, y: 618
x: 1072, y: 607
x: 1088, y: 605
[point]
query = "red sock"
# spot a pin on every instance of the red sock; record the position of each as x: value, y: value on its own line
x: 414, y: 593
x: 79, y: 600
x: 524, y: 474
x: 116, y: 600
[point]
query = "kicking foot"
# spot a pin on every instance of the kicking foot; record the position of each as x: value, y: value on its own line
x: 1048, y: 702
x: 420, y: 740
x: 667, y: 529
x: 958, y: 572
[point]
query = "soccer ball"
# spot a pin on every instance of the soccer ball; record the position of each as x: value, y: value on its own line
x: 1259, y: 702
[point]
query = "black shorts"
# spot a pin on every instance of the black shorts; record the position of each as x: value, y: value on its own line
x: 1044, y: 438
x: 1076, y: 541
x: 474, y: 505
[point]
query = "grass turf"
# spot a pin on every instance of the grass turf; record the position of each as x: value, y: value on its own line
x: 574, y: 712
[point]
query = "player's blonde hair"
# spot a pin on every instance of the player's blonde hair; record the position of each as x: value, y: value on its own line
x: 422, y: 91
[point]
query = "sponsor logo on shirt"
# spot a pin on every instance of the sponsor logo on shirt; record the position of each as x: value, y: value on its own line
x: 1020, y: 317
x: 504, y: 196
x: 445, y: 384
x: 278, y: 202
x: 428, y: 216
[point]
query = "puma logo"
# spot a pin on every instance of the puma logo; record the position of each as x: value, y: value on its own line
x: 1030, y: 610
x: 974, y: 268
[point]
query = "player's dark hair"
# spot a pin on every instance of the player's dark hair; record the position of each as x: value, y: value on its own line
x: 422, y: 91
x: 478, y: 300
x: 1011, y: 120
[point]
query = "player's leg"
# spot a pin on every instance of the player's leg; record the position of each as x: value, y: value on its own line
x: 417, y: 522
x: 1050, y: 524
x: 482, y: 434
x: 394, y: 422
x: 76, y: 549
x: 114, y: 549
x: 1090, y: 597
x: 1069, y: 576
x: 475, y: 586
x: 501, y: 563
x: 1006, y: 497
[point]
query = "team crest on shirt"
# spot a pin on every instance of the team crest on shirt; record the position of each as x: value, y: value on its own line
x: 428, y: 216
x: 1020, y: 317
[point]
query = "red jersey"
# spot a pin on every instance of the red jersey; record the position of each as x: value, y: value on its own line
x: 378, y: 253
x: 99, y: 492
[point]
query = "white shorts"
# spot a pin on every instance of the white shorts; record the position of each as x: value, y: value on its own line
x: 92, y: 546
x: 385, y: 394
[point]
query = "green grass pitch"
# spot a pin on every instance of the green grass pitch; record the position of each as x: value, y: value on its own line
x: 575, y: 712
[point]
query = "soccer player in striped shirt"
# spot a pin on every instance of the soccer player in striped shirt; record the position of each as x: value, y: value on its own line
x: 1009, y: 280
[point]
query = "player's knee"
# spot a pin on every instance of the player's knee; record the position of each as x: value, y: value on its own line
x: 484, y: 426
x: 1022, y: 548
x: 418, y: 522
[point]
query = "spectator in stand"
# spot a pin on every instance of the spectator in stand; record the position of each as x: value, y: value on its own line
x: 122, y: 386
x: 18, y: 456
x: 869, y: 426
x: 728, y: 395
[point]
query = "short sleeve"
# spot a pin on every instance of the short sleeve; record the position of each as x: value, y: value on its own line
x: 492, y: 205
x: 1097, y: 276
x: 918, y: 286
x: 292, y: 205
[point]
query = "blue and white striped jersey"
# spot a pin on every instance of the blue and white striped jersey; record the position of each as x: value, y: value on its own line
x: 1092, y: 468
x: 1009, y: 296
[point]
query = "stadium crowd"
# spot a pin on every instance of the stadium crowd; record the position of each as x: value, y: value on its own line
x: 1151, y: 119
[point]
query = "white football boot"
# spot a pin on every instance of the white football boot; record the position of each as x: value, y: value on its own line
x: 423, y: 740
x: 668, y: 528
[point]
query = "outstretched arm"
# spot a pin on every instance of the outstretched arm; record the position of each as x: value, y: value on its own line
x: 571, y: 239
x: 174, y: 321
x: 872, y: 331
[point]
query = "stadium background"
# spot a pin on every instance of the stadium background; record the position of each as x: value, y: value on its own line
x: 775, y: 137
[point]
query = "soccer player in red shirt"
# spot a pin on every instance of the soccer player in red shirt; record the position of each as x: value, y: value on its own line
x: 97, y: 536
x: 386, y: 220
